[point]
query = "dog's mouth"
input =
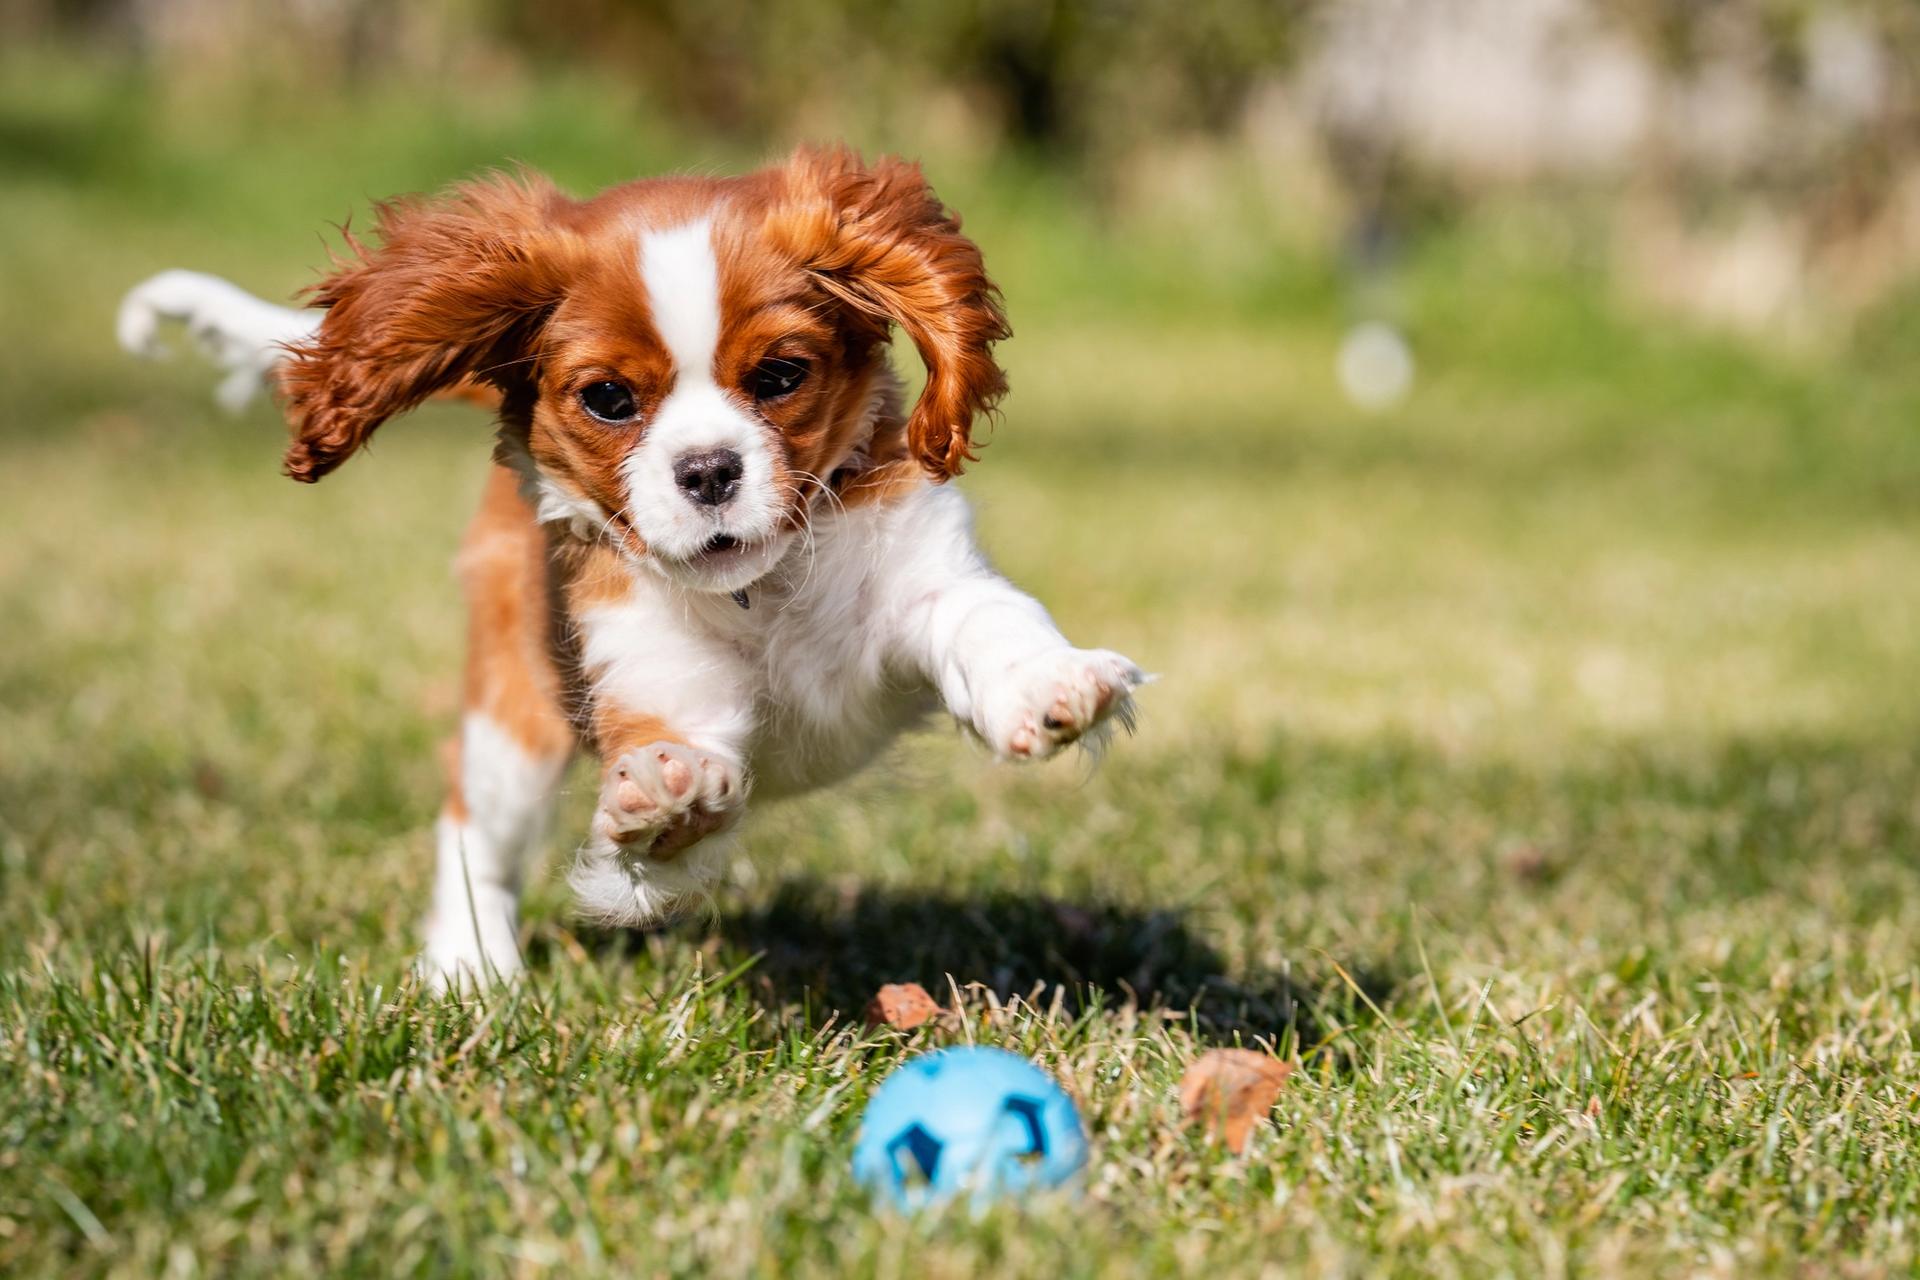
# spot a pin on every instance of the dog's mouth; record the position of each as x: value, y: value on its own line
x: 725, y: 562
x: 724, y: 552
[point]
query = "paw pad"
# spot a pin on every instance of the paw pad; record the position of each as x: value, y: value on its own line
x: 661, y: 798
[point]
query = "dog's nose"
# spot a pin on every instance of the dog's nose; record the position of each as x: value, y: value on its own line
x: 709, y: 478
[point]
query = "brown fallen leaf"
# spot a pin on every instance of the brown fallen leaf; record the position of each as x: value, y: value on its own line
x: 902, y: 1005
x: 1230, y: 1090
x: 208, y: 780
x: 1529, y: 863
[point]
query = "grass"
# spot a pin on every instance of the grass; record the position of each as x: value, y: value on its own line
x: 1536, y: 765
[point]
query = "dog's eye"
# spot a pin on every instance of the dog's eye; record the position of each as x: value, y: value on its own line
x: 775, y: 377
x: 607, y: 401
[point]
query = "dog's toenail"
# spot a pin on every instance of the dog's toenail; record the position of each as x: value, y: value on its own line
x: 1051, y: 723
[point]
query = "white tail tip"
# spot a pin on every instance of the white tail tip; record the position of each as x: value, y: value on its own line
x: 242, y: 334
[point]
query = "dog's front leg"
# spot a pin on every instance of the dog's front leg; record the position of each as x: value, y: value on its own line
x: 1002, y: 667
x: 672, y: 715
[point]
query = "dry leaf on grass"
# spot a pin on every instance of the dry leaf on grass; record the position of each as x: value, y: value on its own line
x: 902, y: 1005
x: 1230, y: 1090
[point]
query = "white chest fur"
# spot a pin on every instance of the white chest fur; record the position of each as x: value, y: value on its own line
x: 808, y: 683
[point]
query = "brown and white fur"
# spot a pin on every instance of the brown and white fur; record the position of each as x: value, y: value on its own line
x: 715, y: 550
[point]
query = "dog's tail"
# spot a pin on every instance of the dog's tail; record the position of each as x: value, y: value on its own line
x: 244, y: 335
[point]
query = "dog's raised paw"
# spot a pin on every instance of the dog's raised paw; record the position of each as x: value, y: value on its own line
x: 658, y: 799
x: 1053, y: 699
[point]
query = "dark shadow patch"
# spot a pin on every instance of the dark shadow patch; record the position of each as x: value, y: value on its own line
x: 823, y: 952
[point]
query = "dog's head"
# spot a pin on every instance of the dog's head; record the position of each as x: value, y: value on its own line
x: 685, y: 362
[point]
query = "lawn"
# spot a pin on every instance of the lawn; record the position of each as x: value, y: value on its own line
x: 1534, y: 765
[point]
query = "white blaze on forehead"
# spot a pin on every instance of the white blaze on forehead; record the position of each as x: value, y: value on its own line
x: 683, y: 289
x: 682, y: 283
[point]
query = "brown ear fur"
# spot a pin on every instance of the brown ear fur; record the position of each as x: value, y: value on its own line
x: 456, y: 290
x: 892, y: 250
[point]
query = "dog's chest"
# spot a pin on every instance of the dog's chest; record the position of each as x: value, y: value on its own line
x: 809, y: 681
x: 827, y: 700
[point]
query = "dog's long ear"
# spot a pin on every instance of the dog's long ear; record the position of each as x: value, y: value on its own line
x: 457, y: 288
x: 882, y: 242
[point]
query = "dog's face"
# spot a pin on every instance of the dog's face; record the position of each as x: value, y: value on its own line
x: 685, y: 363
x: 698, y: 386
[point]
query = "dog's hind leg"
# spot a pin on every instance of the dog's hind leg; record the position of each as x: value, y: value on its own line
x: 514, y: 743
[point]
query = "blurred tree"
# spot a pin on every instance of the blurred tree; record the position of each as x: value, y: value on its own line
x: 1051, y: 73
x: 1754, y: 155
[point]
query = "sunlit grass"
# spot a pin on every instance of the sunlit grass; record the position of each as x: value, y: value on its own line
x: 1536, y: 763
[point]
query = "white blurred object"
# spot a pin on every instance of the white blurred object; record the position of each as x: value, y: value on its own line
x: 1846, y: 72
x: 1375, y: 365
x: 1496, y: 89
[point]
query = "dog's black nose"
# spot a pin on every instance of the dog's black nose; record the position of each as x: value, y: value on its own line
x: 709, y: 478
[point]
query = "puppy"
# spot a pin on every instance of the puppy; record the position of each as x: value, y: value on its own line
x: 716, y: 548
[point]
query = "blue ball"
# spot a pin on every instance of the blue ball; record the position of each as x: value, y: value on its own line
x: 982, y: 1121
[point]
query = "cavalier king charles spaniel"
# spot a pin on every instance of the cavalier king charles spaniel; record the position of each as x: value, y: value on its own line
x: 716, y: 549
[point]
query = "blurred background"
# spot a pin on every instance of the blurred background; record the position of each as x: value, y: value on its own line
x: 1750, y: 163
x: 1393, y: 298
x: 1492, y: 373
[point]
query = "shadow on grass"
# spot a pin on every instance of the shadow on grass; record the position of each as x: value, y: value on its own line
x: 824, y: 951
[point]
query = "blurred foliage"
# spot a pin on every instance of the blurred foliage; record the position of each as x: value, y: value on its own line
x: 1754, y: 163
x: 1063, y: 74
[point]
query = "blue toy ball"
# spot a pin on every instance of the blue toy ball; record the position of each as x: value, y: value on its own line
x: 982, y: 1121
